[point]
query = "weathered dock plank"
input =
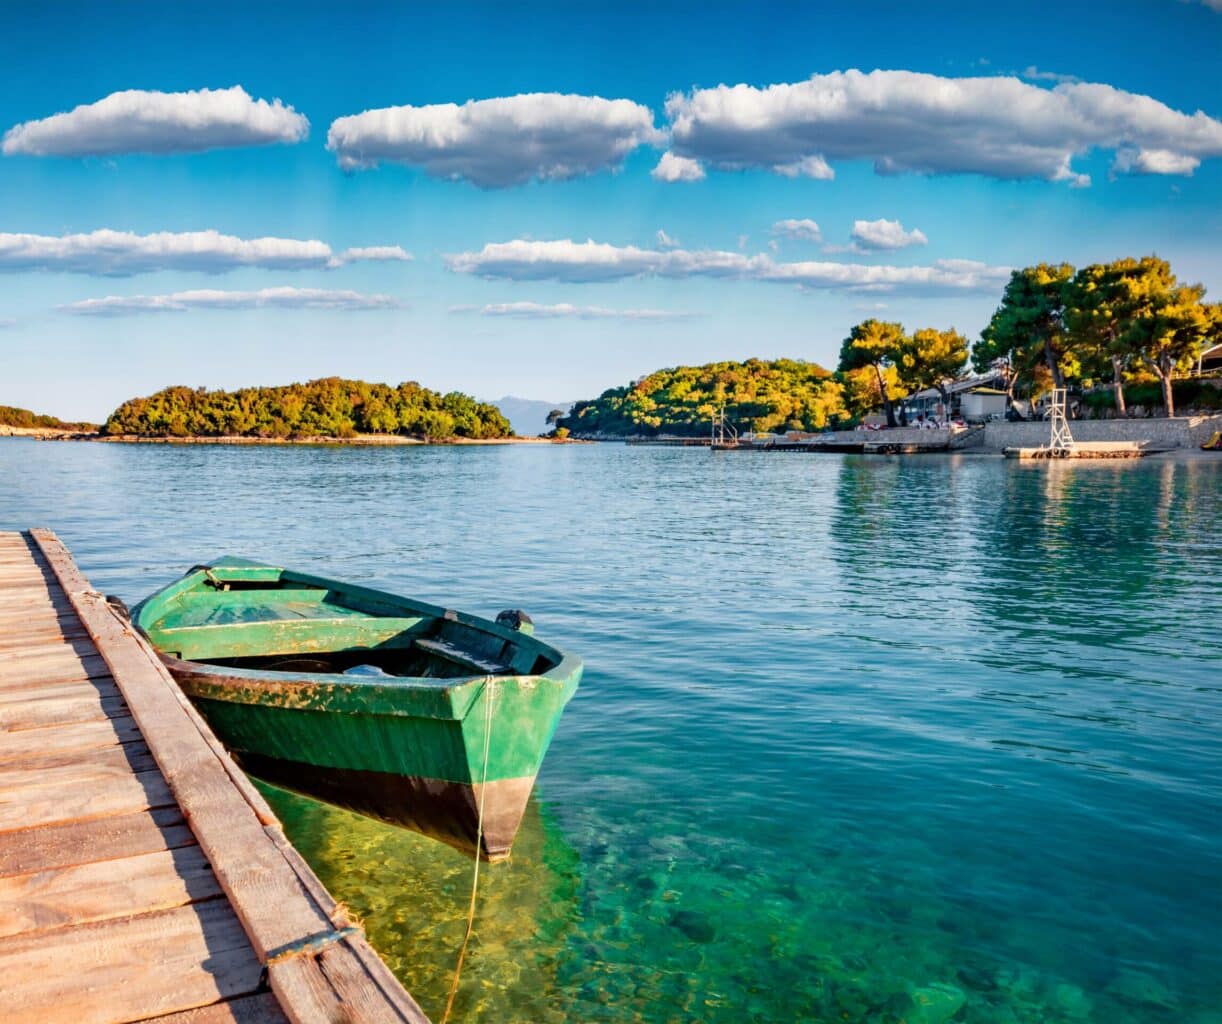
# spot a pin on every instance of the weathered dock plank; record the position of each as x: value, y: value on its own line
x: 57, y: 667
x: 141, y: 875
x: 70, y: 801
x: 129, y: 968
x: 259, y: 1009
x: 55, y: 691
x: 100, y: 890
x: 81, y: 767
x: 99, y: 839
x: 39, y: 712
x: 80, y: 736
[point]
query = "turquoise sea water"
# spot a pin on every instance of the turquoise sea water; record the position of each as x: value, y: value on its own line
x: 859, y: 739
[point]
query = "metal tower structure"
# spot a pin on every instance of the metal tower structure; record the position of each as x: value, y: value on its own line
x: 1061, y: 442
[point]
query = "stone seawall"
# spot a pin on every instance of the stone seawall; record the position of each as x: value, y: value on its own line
x: 971, y: 437
x: 1177, y: 432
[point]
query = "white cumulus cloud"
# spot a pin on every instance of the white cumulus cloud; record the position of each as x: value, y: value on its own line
x: 565, y: 311
x: 590, y: 261
x: 805, y: 229
x: 677, y: 168
x: 275, y: 298
x: 140, y: 121
x: 496, y: 143
x: 908, y: 122
x: 120, y: 253
x: 885, y: 234
x: 1154, y: 161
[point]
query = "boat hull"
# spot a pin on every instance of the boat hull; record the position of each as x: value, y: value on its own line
x: 421, y: 772
x: 438, y: 808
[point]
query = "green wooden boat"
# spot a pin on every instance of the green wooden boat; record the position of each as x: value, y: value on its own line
x: 395, y: 708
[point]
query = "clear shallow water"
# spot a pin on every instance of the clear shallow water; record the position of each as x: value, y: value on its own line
x: 859, y: 739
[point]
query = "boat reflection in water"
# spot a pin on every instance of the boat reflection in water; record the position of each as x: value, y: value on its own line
x: 411, y: 894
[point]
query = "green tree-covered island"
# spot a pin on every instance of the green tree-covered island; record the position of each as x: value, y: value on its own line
x: 331, y: 407
x: 785, y: 394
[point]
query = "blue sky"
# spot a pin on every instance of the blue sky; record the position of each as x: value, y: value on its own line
x: 996, y: 181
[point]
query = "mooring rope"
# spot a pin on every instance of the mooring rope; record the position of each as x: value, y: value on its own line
x: 490, y: 691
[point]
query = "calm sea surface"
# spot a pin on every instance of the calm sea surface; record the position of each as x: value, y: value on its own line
x: 859, y: 739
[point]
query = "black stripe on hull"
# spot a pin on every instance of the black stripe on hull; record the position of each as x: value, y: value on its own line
x: 448, y: 811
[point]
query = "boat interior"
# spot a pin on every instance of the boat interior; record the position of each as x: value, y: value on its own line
x: 280, y: 622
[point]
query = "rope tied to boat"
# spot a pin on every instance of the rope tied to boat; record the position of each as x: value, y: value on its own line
x: 490, y: 691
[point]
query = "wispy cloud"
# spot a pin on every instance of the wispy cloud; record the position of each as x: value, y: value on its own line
x: 908, y: 122
x: 496, y: 143
x: 264, y: 298
x: 372, y: 253
x: 1034, y: 74
x: 806, y: 167
x: 565, y: 311
x: 140, y: 121
x: 590, y: 261
x: 804, y: 229
x: 665, y: 241
x: 121, y: 253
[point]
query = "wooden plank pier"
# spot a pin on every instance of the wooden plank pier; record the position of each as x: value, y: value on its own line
x: 142, y: 877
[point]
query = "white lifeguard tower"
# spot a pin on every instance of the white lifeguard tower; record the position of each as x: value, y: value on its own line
x: 1061, y: 442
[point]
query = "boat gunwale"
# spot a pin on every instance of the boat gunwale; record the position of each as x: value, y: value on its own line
x: 359, y: 695
x: 459, y: 692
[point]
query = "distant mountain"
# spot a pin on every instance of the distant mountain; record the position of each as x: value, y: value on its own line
x: 528, y: 415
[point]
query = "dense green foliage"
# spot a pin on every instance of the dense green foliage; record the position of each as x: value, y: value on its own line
x: 881, y: 363
x: 1126, y: 321
x: 868, y: 365
x: 11, y: 416
x: 330, y: 407
x: 1028, y: 327
x: 758, y: 395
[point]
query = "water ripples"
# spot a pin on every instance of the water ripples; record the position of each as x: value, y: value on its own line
x: 859, y: 739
